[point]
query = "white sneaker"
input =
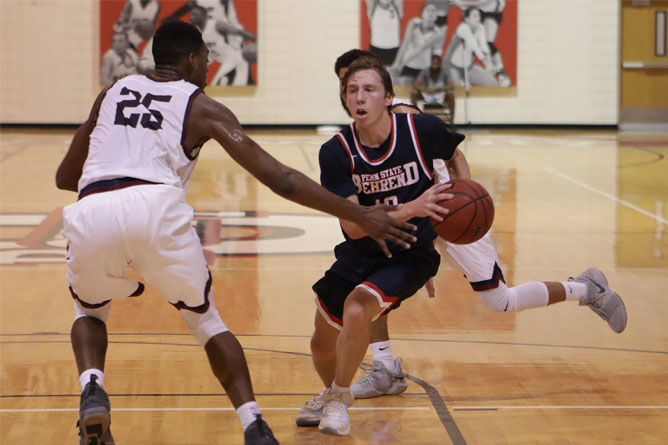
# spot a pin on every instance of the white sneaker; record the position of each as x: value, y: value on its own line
x: 311, y: 412
x: 380, y: 382
x: 601, y: 299
x: 335, y: 419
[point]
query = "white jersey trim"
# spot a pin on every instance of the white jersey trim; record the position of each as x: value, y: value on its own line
x: 416, y: 146
x: 343, y: 141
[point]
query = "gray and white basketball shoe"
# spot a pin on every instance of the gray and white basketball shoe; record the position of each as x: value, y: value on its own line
x: 381, y: 381
x: 601, y: 299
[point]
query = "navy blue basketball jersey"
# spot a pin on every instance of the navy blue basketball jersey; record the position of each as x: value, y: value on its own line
x: 397, y: 171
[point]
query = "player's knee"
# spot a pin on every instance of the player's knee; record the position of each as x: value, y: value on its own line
x: 360, y: 309
x: 500, y: 299
x: 100, y: 312
x: 492, y: 48
x: 204, y: 326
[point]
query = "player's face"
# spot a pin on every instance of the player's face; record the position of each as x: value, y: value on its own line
x: 429, y: 13
x: 365, y: 97
x: 119, y: 43
x: 473, y: 20
x: 198, y: 17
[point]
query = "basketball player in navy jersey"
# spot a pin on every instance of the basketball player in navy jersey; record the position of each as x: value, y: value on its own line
x: 380, y: 158
x: 130, y: 162
x: 479, y: 263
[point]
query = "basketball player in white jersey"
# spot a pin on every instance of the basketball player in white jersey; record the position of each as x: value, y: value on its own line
x: 492, y: 13
x: 137, y: 20
x: 479, y: 263
x: 130, y: 163
x: 470, y: 40
x: 222, y: 19
x: 413, y: 55
x: 385, y: 28
x: 219, y: 50
x: 119, y: 60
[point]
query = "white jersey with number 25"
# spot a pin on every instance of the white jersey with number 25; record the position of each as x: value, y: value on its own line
x: 139, y: 133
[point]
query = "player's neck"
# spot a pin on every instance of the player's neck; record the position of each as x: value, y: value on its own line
x: 373, y: 134
x: 163, y: 73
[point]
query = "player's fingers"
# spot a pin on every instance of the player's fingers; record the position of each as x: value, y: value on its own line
x: 383, y: 246
x: 399, y: 241
x: 437, y: 212
x: 404, y: 231
x: 405, y: 226
x: 437, y: 216
x: 443, y: 196
x: 441, y: 186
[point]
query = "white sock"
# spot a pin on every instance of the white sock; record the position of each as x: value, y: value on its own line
x: 337, y: 388
x: 248, y: 413
x: 382, y: 352
x: 574, y: 290
x: 84, y: 378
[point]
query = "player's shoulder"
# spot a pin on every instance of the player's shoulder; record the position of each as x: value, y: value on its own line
x: 428, y: 120
x: 335, y: 142
x: 338, y: 145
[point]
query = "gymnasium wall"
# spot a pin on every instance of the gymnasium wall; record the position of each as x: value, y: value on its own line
x: 568, y: 63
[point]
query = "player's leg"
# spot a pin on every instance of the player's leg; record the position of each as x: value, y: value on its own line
x: 323, y: 349
x: 401, y: 277
x: 96, y: 265
x: 482, y: 77
x: 479, y: 262
x: 491, y: 25
x: 89, y: 344
x: 386, y: 376
x: 323, y: 353
x: 359, y: 310
x: 228, y: 363
x: 416, y: 95
x: 171, y: 259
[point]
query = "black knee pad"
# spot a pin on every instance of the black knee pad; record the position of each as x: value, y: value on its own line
x: 492, y: 49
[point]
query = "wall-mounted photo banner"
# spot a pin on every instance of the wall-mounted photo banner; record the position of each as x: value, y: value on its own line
x: 475, y: 40
x: 229, y: 29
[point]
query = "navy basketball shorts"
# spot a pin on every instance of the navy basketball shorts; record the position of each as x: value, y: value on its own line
x: 390, y: 280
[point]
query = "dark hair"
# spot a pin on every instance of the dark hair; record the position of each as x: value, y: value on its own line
x: 175, y: 40
x: 467, y: 12
x: 369, y: 63
x: 345, y: 59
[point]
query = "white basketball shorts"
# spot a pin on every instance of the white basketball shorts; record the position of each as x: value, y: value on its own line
x: 479, y: 261
x: 144, y: 227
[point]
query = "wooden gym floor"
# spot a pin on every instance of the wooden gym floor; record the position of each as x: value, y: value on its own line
x: 565, y: 200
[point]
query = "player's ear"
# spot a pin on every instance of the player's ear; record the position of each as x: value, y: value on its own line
x: 388, y: 98
x: 192, y: 60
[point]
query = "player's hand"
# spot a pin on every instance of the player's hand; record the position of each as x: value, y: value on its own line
x: 382, y: 227
x: 427, y: 204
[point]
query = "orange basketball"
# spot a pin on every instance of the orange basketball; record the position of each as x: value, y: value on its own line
x: 471, y: 213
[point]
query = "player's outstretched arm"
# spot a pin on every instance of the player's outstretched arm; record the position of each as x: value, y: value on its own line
x: 210, y: 119
x: 423, y: 206
x: 69, y: 171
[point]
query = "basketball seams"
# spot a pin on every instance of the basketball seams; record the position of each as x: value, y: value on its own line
x: 463, y: 228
